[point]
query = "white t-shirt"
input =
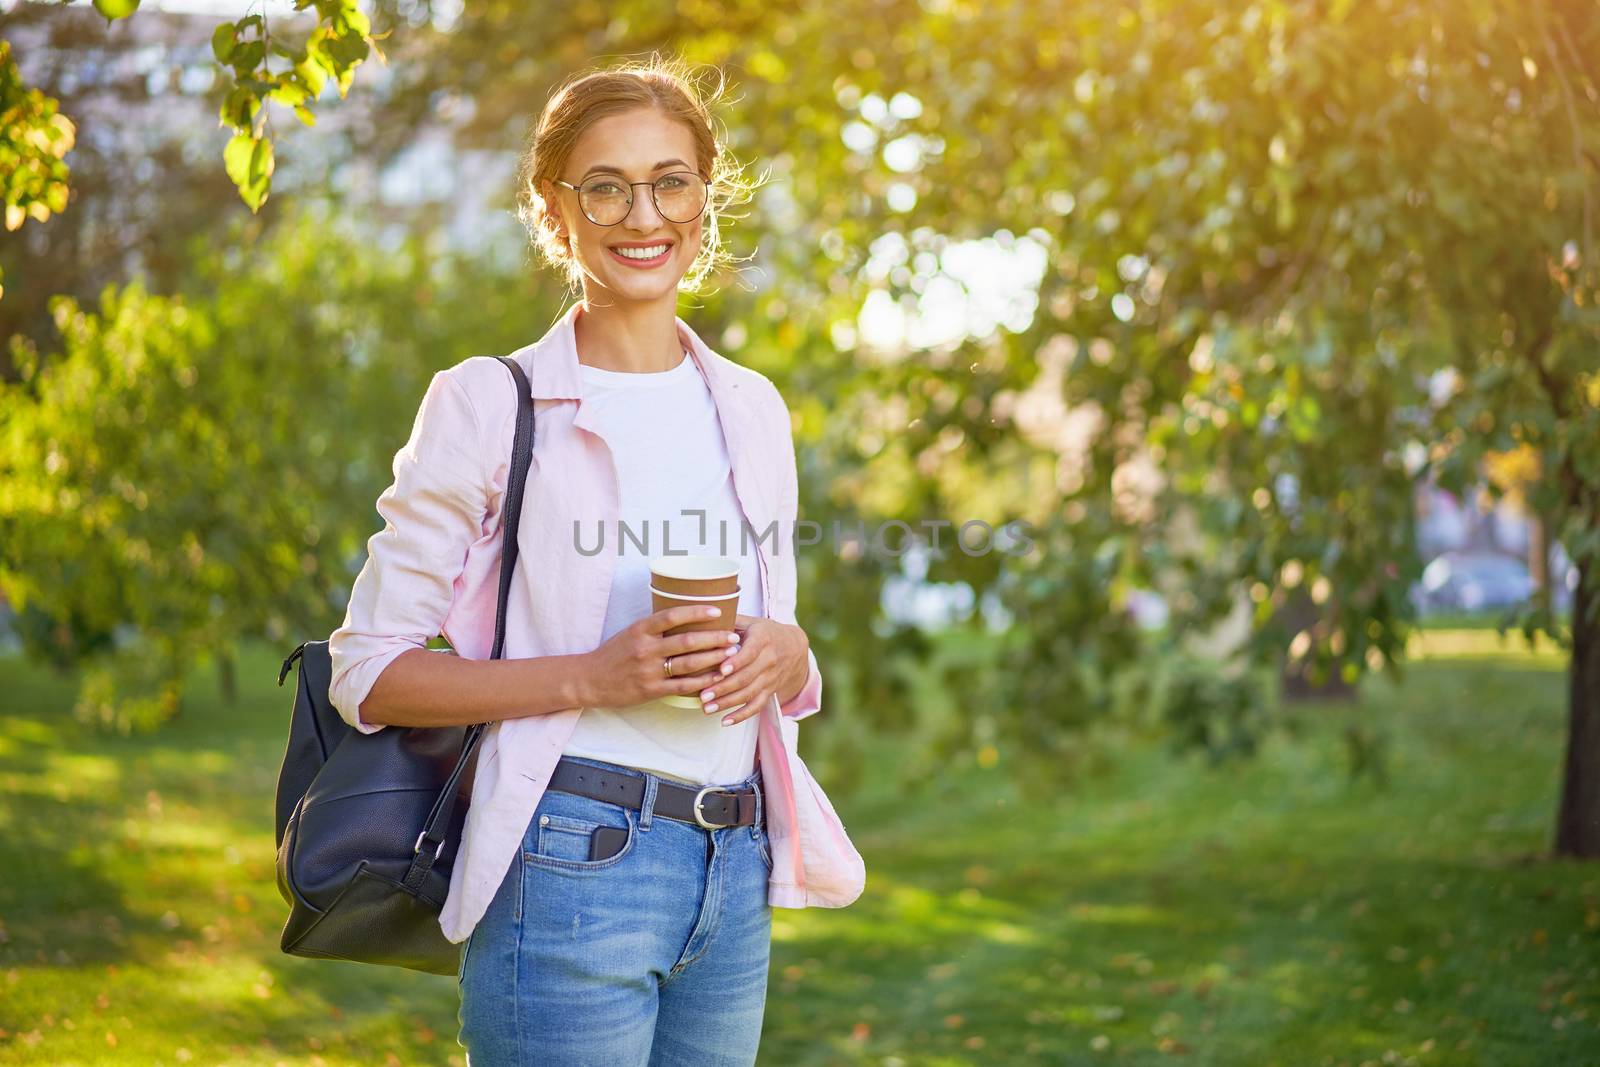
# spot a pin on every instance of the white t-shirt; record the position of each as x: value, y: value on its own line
x: 666, y: 443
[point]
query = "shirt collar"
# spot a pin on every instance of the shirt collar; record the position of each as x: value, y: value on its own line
x: 555, y: 373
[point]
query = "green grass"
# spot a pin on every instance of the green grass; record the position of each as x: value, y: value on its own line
x: 1158, y: 911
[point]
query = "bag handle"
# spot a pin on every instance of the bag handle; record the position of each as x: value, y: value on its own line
x: 521, y: 459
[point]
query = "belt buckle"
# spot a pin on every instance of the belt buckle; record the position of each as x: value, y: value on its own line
x: 699, y: 816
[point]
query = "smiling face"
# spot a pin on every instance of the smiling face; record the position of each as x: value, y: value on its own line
x: 635, y: 146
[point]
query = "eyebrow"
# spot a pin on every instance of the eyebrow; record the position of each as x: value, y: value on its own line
x: 612, y: 168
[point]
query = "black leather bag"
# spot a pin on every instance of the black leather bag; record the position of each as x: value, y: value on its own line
x: 368, y: 824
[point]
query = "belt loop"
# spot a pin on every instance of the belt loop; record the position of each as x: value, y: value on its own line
x: 647, y: 803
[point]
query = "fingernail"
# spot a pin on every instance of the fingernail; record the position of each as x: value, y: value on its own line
x: 728, y: 721
x: 730, y: 650
x: 712, y: 613
x: 734, y: 637
x: 707, y: 694
x: 727, y: 667
x: 710, y: 708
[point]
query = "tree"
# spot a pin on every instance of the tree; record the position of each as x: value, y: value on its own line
x: 1301, y: 258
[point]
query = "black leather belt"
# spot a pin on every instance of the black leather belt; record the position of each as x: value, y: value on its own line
x: 709, y: 806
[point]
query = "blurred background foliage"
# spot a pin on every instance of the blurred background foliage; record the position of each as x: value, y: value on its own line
x: 1281, y: 265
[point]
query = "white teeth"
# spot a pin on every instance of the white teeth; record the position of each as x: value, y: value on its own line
x: 643, y: 253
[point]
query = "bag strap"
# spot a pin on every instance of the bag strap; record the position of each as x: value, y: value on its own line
x: 521, y: 459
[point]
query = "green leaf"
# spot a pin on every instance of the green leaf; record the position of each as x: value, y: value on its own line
x: 116, y: 9
x: 255, y: 194
x: 289, y: 92
x: 323, y: 58
x: 222, y: 42
x: 312, y: 76
x: 261, y: 161
x: 239, y: 108
x: 304, y: 114
x: 236, y: 158
x: 249, y: 162
x: 247, y: 56
x: 347, y: 50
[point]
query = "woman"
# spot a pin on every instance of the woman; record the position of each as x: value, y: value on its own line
x: 621, y: 856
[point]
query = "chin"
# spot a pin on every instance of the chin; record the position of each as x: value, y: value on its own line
x: 661, y: 283
x: 645, y: 293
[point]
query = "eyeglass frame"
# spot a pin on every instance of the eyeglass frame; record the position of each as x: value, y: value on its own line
x: 653, y: 202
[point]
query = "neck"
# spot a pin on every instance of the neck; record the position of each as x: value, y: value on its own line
x: 632, y: 337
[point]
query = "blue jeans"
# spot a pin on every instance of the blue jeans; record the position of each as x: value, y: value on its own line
x: 654, y: 957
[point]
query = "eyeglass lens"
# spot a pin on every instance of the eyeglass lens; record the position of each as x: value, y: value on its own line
x: 680, y: 197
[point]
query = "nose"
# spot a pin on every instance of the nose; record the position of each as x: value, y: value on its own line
x: 642, y: 214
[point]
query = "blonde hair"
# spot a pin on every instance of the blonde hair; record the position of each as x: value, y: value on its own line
x: 671, y: 87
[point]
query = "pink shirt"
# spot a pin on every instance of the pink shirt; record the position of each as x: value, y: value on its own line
x: 434, y: 569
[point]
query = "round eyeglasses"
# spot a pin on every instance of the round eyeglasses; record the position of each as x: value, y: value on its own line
x: 606, y: 199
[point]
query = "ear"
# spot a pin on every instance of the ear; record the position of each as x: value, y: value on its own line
x: 552, y: 207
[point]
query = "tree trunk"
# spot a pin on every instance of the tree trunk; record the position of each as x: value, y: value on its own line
x: 1578, y: 822
x: 1299, y: 613
x: 1539, y: 559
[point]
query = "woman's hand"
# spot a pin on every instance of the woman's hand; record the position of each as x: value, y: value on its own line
x: 772, y: 659
x: 628, y: 669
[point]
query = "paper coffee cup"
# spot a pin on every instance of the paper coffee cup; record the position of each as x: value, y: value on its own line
x: 699, y: 581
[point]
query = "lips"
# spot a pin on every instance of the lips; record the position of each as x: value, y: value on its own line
x: 635, y: 260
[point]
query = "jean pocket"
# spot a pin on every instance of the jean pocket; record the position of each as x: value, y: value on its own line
x: 765, y: 845
x: 562, y: 838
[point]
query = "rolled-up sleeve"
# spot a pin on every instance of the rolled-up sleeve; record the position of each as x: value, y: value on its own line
x: 809, y: 700
x: 433, y: 511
